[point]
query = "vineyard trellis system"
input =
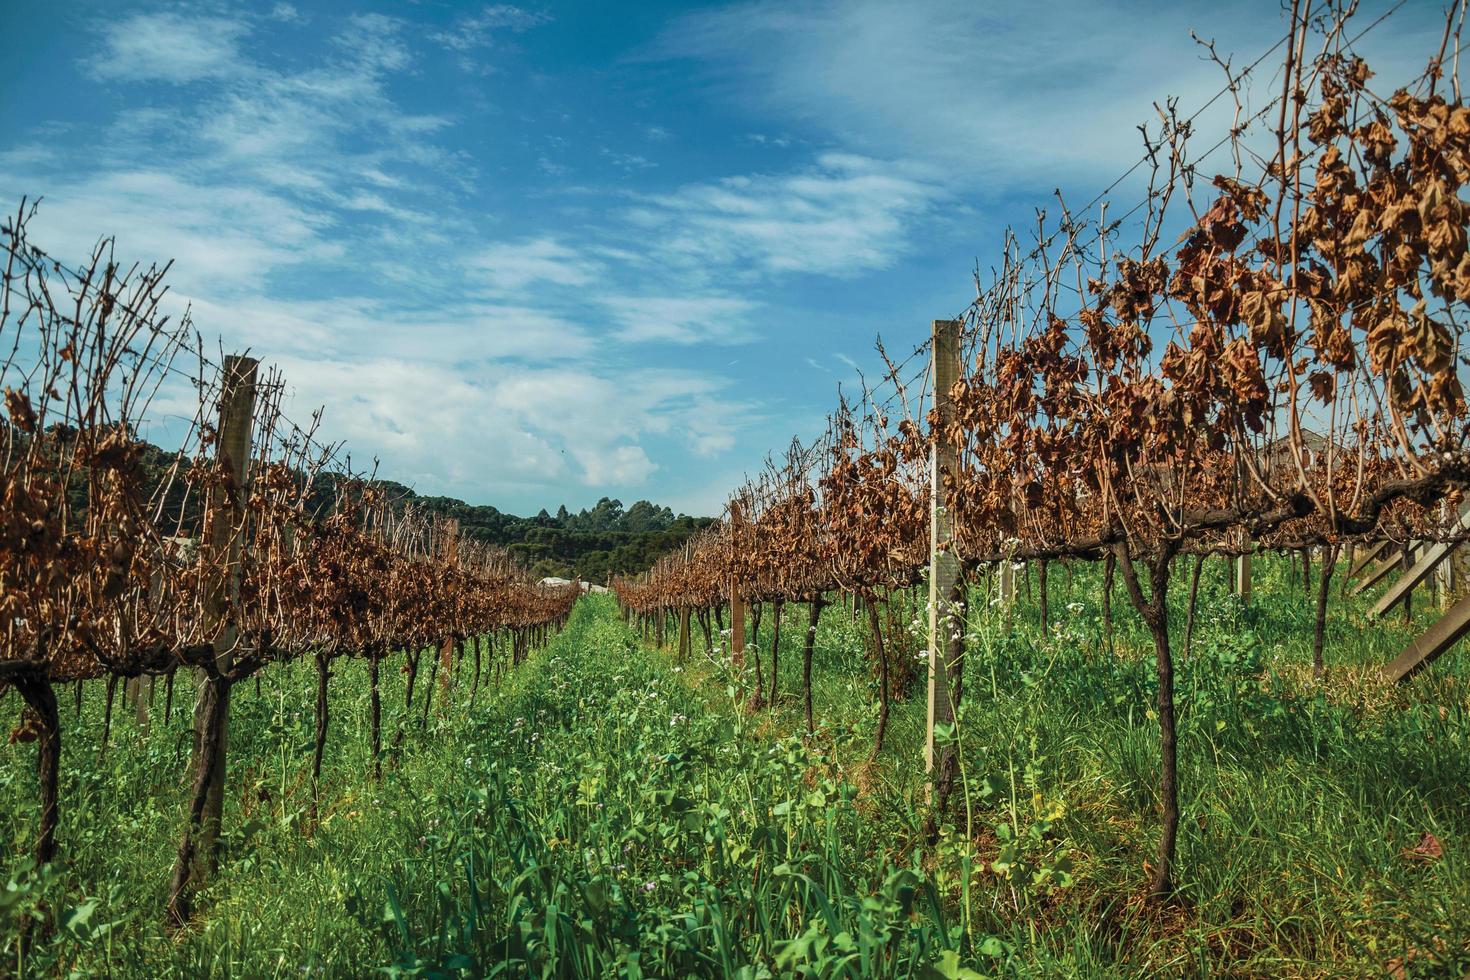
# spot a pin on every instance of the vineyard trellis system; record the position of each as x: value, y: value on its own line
x: 1287, y: 376
x: 229, y: 563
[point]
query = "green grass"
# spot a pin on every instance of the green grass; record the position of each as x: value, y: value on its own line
x: 606, y: 811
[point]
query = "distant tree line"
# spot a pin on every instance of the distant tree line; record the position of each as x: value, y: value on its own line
x: 593, y: 544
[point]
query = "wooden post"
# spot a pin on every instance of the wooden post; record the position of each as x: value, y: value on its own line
x: 199, y: 850
x: 943, y: 565
x: 684, y: 643
x: 449, y: 552
x: 1444, y: 578
x: 139, y: 693
x: 1243, y: 578
x: 737, y: 601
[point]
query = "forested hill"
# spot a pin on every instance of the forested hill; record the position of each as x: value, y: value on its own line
x: 592, y: 544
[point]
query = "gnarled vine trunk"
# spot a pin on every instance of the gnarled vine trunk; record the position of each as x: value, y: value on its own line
x: 776, y: 652
x: 814, y: 614
x: 757, y: 696
x: 375, y: 713
x: 1199, y: 562
x: 1319, y: 626
x: 198, y: 856
x: 1154, y: 610
x: 1042, y: 599
x: 475, y: 681
x: 884, y: 695
x: 320, y: 746
x: 36, y: 690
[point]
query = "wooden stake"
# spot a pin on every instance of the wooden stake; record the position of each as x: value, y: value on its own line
x: 943, y: 565
x: 1243, y: 578
x: 737, y: 602
x: 449, y: 551
x: 199, y: 850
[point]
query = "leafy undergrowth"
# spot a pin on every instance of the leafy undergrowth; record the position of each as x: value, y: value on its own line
x: 620, y: 825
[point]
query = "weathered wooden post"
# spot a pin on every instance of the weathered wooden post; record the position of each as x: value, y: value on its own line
x: 449, y: 552
x: 737, y: 600
x: 944, y: 568
x: 139, y: 693
x: 1444, y: 577
x: 199, y: 850
x: 1243, y: 578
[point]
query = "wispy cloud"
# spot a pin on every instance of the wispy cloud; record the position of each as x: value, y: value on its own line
x: 472, y: 35
x: 168, y: 47
x: 844, y: 216
x: 509, y: 267
x: 229, y: 238
x: 628, y: 162
x: 680, y: 319
x: 478, y: 30
x: 993, y: 94
x: 600, y: 418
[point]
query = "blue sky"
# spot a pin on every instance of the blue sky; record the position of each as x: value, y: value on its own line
x: 539, y: 254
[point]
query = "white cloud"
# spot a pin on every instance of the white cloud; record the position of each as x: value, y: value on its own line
x: 599, y: 418
x: 479, y: 30
x: 447, y: 335
x: 628, y: 162
x: 844, y: 216
x: 373, y: 44
x: 228, y: 237
x: 168, y: 47
x: 472, y: 35
x: 992, y: 93
x: 509, y: 267
x: 433, y: 426
x: 680, y: 319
